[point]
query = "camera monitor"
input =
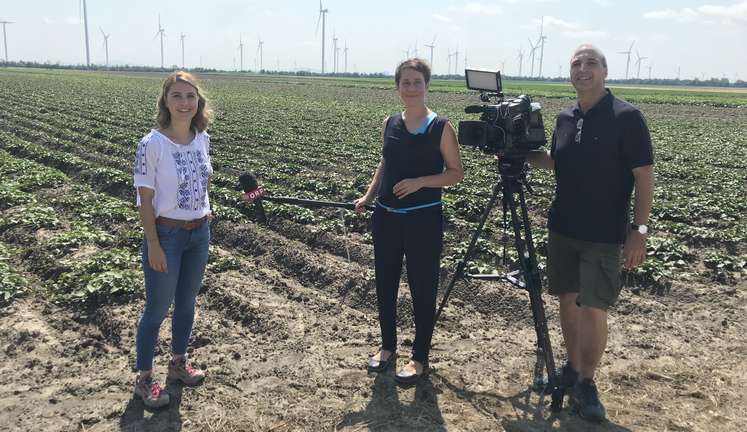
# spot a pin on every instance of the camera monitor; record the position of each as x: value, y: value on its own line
x: 483, y: 80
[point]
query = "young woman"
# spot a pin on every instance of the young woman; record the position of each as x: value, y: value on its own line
x: 420, y: 156
x: 171, y: 172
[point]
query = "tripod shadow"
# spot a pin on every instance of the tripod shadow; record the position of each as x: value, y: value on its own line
x: 385, y: 411
x: 530, y: 414
x: 168, y: 418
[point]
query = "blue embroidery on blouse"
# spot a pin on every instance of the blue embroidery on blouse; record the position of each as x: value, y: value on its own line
x: 140, y: 167
x: 192, y: 172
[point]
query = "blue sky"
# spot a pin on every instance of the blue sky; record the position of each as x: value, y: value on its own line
x: 700, y: 38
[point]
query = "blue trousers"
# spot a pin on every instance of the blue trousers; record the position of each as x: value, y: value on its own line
x: 418, y: 236
x: 186, y: 257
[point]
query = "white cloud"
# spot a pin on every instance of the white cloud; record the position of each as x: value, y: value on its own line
x: 570, y: 29
x: 475, y: 8
x: 685, y: 15
x: 442, y: 18
x: 736, y: 13
x: 67, y: 20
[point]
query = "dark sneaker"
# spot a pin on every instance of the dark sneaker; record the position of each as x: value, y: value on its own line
x: 181, y: 371
x: 589, y: 405
x: 568, y: 376
x: 150, y: 392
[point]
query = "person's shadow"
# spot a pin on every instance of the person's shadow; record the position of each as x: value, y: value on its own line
x: 385, y: 412
x: 530, y: 414
x: 168, y: 418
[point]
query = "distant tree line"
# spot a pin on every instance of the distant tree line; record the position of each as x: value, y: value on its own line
x: 695, y: 82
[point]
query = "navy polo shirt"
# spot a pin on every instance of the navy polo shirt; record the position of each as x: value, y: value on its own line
x: 595, y: 153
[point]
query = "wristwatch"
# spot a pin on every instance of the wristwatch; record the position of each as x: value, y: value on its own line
x: 643, y: 229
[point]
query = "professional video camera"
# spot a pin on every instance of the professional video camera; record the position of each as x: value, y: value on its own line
x: 510, y: 127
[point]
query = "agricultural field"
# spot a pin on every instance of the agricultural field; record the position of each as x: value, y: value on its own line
x: 287, y: 314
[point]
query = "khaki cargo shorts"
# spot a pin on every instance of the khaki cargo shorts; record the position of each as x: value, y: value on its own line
x: 590, y: 269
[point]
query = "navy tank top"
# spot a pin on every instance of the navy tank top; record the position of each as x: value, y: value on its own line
x: 408, y: 155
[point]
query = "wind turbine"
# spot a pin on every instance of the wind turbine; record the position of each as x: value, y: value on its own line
x: 541, y: 43
x: 465, y: 59
x: 162, y: 33
x: 531, y: 54
x: 5, y: 38
x: 627, y: 64
x: 415, y: 49
x: 449, y: 70
x: 85, y: 27
x: 259, y: 50
x: 241, y: 55
x: 521, y: 59
x: 106, y: 44
x: 431, y: 46
x: 638, y: 61
x: 182, y: 36
x: 334, y: 52
x: 456, y: 60
x: 649, y: 71
x: 323, y: 19
x: 346, y: 57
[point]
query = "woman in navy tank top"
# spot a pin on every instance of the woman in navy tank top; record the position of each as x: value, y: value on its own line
x: 420, y: 156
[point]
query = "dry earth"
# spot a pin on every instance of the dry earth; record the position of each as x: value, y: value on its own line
x: 284, y: 340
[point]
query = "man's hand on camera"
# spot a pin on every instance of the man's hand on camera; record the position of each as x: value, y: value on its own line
x: 407, y: 186
x: 634, y: 250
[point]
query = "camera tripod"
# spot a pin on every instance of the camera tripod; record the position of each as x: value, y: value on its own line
x: 512, y: 182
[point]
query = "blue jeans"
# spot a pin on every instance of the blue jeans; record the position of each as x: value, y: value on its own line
x: 186, y: 257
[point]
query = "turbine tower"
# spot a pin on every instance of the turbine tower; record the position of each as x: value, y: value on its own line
x: 334, y: 53
x: 260, y: 51
x: 346, y: 56
x: 649, y: 71
x: 5, y: 38
x: 520, y: 57
x: 415, y: 49
x: 541, y: 43
x: 449, y: 70
x: 85, y: 27
x: 162, y: 33
x: 323, y: 19
x: 431, y: 46
x: 241, y: 55
x: 638, y: 61
x: 627, y: 64
x: 531, y: 54
x: 465, y: 59
x: 182, y: 36
x: 106, y: 44
x: 456, y: 60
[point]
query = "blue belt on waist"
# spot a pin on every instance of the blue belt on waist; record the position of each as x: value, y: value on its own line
x: 407, y: 209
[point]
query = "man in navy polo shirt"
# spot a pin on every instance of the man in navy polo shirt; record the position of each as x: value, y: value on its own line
x: 601, y: 151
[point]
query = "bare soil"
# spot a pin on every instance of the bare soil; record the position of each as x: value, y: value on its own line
x: 285, y: 338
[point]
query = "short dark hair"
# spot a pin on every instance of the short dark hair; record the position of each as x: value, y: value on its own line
x: 416, y: 64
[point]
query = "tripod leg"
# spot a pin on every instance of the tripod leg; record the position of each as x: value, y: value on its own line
x: 459, y: 272
x: 525, y: 248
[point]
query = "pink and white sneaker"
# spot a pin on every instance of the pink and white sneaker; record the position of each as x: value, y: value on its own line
x: 150, y: 392
x: 181, y: 371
